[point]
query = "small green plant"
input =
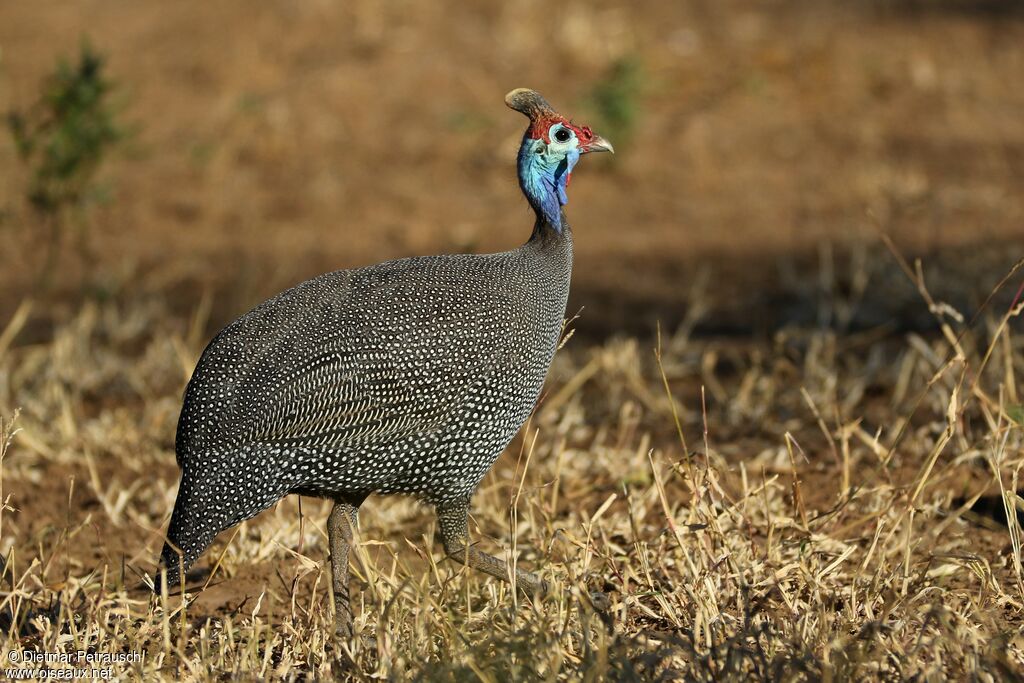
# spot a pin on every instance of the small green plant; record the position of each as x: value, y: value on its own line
x: 615, y: 98
x: 63, y: 138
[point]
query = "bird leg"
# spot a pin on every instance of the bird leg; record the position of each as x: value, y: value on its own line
x: 339, y: 534
x: 454, y: 534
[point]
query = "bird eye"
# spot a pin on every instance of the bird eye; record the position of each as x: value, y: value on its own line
x: 562, y: 135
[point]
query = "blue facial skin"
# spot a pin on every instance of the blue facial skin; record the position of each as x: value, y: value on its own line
x: 543, y: 173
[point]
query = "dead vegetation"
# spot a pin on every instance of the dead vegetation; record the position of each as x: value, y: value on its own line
x: 808, y: 507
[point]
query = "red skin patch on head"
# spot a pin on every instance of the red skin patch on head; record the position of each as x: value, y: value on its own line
x: 539, y: 129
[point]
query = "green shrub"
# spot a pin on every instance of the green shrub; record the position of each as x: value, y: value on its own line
x: 63, y: 138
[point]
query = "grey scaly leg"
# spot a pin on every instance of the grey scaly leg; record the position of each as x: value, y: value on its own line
x: 339, y: 533
x: 451, y: 518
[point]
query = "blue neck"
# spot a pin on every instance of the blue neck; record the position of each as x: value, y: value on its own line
x: 543, y: 176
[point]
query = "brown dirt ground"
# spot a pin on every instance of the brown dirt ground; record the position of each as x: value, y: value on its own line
x: 278, y: 141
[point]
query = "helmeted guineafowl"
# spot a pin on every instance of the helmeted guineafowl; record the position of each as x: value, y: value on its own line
x: 410, y: 376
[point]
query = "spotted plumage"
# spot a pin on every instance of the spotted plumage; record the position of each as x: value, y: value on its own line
x: 410, y: 376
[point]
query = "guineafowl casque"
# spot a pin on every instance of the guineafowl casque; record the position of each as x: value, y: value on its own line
x: 411, y: 376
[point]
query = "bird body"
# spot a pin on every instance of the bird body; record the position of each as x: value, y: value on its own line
x: 410, y: 376
x: 406, y: 377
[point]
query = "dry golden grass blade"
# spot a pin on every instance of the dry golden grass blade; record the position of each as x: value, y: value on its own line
x: 15, y: 325
x: 907, y: 575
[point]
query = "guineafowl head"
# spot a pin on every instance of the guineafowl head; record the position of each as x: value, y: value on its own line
x: 551, y: 147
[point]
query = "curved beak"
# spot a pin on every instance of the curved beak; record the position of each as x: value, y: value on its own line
x: 597, y: 144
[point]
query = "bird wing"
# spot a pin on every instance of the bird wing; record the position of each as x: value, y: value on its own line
x: 332, y: 372
x: 344, y: 399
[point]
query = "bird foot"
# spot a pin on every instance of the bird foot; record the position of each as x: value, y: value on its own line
x: 350, y: 649
x: 601, y: 602
x: 344, y: 633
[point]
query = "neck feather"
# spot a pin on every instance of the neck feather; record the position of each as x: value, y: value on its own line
x: 543, y: 178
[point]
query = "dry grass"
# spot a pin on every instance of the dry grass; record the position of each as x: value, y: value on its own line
x: 825, y: 518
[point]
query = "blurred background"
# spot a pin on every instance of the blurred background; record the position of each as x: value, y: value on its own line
x: 763, y: 150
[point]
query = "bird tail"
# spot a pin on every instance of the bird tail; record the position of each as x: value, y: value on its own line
x: 185, y: 540
x: 195, y: 522
x: 212, y: 499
